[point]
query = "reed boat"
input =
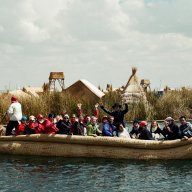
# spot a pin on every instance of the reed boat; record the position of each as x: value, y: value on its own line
x: 100, y: 147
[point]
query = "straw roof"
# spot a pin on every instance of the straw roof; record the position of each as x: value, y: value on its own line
x: 92, y: 88
x: 133, y: 85
x: 133, y: 91
x: 85, y: 90
x: 18, y: 93
x: 33, y: 90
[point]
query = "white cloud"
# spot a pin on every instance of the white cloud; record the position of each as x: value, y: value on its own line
x: 165, y: 16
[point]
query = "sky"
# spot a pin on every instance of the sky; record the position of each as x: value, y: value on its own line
x: 96, y: 40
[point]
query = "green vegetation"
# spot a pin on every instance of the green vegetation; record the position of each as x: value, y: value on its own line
x: 173, y: 103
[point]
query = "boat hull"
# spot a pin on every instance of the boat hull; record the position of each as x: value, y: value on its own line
x: 101, y: 147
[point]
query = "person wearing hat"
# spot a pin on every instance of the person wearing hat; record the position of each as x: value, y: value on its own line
x: 118, y: 113
x: 32, y: 126
x: 40, y: 118
x: 171, y: 131
x: 41, y: 127
x: 20, y: 130
x: 14, y: 114
x: 145, y: 134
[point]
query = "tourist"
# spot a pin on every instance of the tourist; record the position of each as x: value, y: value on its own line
x: 111, y: 124
x: 135, y: 129
x: 74, y: 128
x: 107, y: 129
x: 40, y: 118
x: 41, y: 127
x: 64, y: 125
x: 20, y: 130
x: 14, y: 113
x: 82, y: 125
x: 57, y: 119
x: 156, y: 131
x: 87, y: 120
x: 93, y: 127
x: 32, y: 125
x: 118, y: 113
x: 122, y: 132
x: 50, y: 127
x: 145, y: 134
x: 171, y: 131
x: 81, y: 119
x: 185, y: 128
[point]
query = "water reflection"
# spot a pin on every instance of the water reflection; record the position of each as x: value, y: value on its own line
x: 19, y: 173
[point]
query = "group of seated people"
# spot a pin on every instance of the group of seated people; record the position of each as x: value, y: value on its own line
x: 111, y: 126
x: 73, y: 125
x: 89, y: 125
x: 170, y: 130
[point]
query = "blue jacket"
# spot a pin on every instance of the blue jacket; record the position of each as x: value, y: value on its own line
x: 108, y: 129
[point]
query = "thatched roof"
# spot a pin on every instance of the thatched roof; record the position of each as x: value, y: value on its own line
x: 133, y: 91
x: 33, y: 90
x: 92, y: 88
x: 18, y: 93
x: 85, y: 90
x: 133, y: 85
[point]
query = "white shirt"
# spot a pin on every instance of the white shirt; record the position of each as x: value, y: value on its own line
x: 124, y: 133
x: 15, y: 112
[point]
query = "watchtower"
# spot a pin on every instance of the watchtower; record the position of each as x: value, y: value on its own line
x: 145, y: 83
x: 56, y: 76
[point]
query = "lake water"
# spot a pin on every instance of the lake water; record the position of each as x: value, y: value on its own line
x: 19, y: 173
x: 30, y: 173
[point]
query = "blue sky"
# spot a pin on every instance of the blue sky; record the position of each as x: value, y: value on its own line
x: 96, y: 40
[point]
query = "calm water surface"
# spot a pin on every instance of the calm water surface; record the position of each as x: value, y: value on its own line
x: 20, y: 173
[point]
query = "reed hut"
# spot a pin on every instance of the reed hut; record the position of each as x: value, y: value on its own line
x: 19, y: 93
x: 33, y: 91
x: 84, y: 90
x: 133, y: 91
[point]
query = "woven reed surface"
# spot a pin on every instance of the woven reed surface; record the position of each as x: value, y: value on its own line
x: 105, y: 147
x: 98, y: 141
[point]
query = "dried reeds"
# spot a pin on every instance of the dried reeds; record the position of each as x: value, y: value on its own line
x: 172, y: 103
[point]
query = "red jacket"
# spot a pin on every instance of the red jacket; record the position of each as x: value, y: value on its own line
x: 32, y: 125
x: 96, y: 113
x: 50, y: 127
x: 40, y: 128
x: 20, y: 129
